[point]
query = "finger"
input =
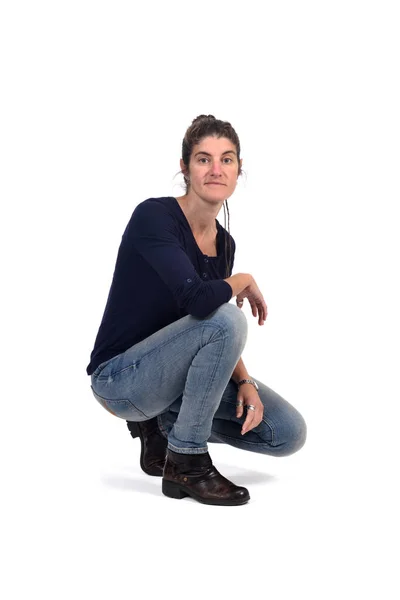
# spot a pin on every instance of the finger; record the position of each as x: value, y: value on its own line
x: 248, y: 421
x: 257, y: 310
x: 239, y: 409
x: 253, y: 308
x: 256, y: 421
x: 263, y: 313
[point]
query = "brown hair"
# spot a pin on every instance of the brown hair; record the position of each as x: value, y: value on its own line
x: 201, y: 127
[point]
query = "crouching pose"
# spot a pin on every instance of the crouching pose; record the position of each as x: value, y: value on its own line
x: 167, y: 356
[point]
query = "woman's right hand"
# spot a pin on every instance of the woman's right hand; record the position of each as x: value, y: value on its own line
x: 256, y: 299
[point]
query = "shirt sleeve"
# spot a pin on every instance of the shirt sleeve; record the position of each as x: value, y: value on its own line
x: 153, y: 232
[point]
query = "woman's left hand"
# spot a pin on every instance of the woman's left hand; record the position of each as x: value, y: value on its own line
x: 248, y: 396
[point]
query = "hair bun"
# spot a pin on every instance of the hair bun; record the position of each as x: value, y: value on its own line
x: 201, y: 117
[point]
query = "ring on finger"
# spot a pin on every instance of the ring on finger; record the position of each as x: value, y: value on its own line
x: 251, y: 407
x: 240, y: 403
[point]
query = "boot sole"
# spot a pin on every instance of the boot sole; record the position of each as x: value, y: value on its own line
x: 174, y: 490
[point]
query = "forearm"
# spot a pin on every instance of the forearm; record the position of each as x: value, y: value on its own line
x: 239, y: 282
x: 240, y: 372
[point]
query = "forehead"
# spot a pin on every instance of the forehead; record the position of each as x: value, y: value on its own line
x: 214, y: 145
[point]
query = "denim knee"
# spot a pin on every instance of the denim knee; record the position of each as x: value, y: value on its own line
x: 292, y: 438
x: 231, y: 319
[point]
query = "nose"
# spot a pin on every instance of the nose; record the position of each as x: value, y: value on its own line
x: 216, y: 170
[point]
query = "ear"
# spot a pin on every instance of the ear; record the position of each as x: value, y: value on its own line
x: 182, y: 165
x: 240, y: 166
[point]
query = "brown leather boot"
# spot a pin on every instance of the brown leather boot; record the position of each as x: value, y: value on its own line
x: 194, y: 475
x: 154, y: 445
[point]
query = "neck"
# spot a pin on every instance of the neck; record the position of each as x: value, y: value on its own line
x: 200, y: 214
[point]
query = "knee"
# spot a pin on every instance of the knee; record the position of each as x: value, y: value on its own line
x: 293, y: 436
x: 231, y: 319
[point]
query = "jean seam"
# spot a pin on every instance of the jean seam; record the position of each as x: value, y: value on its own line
x: 161, y: 427
x: 243, y: 441
x: 272, y: 443
x: 121, y: 400
x: 211, y: 382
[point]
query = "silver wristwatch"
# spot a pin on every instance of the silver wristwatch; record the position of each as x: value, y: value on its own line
x: 248, y: 381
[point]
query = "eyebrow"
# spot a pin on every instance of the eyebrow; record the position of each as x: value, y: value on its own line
x: 208, y: 154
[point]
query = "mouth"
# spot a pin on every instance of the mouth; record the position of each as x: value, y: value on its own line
x: 214, y: 183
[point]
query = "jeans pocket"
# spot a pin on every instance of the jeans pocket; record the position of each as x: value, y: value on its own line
x: 122, y: 408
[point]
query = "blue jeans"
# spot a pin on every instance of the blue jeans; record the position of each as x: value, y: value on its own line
x: 182, y: 374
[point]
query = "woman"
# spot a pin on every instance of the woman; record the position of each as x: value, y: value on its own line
x: 167, y: 354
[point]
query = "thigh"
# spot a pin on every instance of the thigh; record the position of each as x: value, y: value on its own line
x: 146, y: 379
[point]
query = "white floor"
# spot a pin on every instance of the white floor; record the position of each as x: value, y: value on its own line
x: 85, y: 522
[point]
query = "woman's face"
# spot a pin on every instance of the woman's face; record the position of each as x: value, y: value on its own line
x: 213, y: 168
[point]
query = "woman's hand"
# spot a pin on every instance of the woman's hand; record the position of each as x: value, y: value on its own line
x: 248, y: 396
x: 256, y: 299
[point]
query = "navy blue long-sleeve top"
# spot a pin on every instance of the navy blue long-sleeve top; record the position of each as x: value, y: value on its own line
x: 160, y: 276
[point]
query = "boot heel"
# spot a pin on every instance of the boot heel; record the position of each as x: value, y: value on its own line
x: 133, y: 428
x: 172, y: 490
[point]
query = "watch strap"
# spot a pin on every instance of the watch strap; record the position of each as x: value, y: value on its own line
x: 247, y: 381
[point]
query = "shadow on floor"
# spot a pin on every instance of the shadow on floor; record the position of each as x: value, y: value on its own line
x: 146, y: 484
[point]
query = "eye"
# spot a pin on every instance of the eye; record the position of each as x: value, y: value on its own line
x: 227, y: 160
x: 203, y: 160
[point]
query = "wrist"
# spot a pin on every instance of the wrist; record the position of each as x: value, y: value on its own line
x: 247, y: 381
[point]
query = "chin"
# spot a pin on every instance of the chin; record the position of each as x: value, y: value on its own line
x: 216, y: 194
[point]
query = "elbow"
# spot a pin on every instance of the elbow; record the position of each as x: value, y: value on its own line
x: 202, y: 310
x: 206, y: 298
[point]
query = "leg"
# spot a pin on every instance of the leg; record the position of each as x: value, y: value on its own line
x: 282, y: 431
x: 191, y: 359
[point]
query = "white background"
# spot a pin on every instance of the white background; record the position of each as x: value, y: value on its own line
x: 95, y: 100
